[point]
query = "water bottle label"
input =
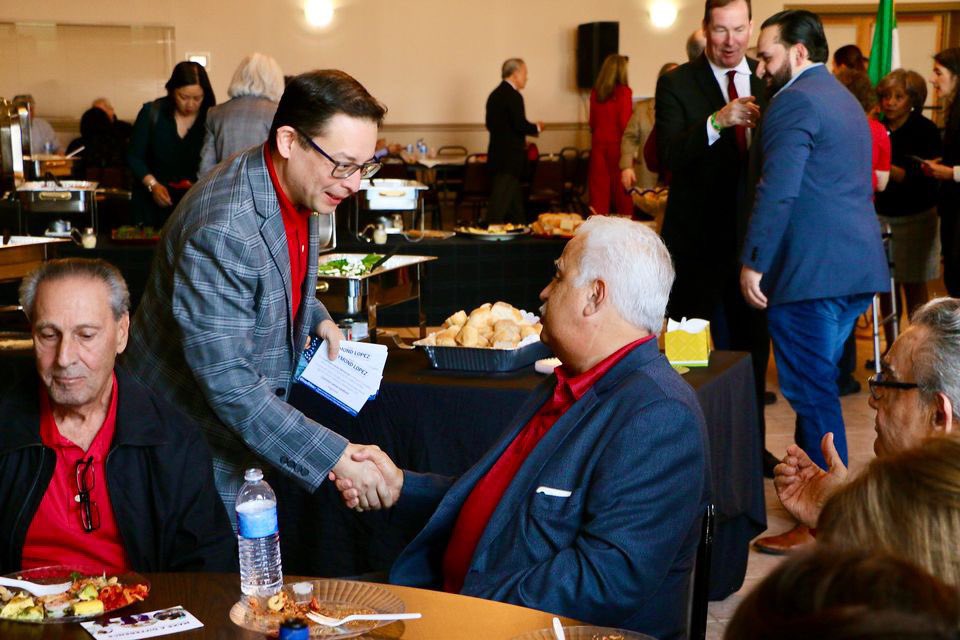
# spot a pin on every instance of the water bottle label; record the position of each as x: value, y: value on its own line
x: 257, y: 524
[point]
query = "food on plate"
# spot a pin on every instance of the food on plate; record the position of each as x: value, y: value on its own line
x: 282, y: 607
x: 498, y: 326
x: 494, y: 229
x: 342, y: 267
x: 87, y: 596
x: 651, y: 201
x: 557, y: 224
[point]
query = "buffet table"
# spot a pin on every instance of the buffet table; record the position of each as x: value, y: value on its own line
x: 468, y: 272
x: 209, y: 596
x: 442, y: 422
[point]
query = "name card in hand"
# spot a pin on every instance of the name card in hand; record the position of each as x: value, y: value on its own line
x: 351, y: 379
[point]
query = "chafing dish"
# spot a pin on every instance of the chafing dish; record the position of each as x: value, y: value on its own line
x: 44, y: 164
x: 62, y: 196
x: 396, y: 281
x: 14, y: 142
x: 391, y: 194
x: 22, y: 254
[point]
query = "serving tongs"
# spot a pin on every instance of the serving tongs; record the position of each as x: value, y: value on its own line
x: 392, y: 251
x: 34, y: 588
x: 327, y: 621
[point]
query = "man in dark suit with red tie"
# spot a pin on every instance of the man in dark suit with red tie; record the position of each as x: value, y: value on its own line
x: 507, y: 123
x: 706, y: 114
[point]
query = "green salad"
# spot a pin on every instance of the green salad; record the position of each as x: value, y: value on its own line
x: 344, y: 267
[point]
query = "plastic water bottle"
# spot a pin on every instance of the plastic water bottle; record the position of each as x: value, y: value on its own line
x: 261, y: 573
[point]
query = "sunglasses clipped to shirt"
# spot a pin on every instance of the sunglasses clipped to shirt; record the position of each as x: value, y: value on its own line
x: 86, y: 479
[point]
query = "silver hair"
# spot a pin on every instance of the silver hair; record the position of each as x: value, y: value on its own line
x: 936, y: 359
x: 510, y: 66
x: 95, y: 269
x: 635, y: 265
x: 257, y: 75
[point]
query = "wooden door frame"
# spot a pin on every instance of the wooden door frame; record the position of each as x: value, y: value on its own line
x: 950, y: 12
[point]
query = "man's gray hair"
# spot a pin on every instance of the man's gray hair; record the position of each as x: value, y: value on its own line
x: 936, y: 359
x: 696, y: 43
x: 94, y: 269
x: 257, y: 75
x: 510, y: 66
x: 635, y: 265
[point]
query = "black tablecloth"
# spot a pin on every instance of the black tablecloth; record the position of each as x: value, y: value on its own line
x: 442, y: 422
x: 470, y: 272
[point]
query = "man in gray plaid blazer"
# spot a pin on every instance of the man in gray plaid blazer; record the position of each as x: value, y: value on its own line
x: 219, y: 329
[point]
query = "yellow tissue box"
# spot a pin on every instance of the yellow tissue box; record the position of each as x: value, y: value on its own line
x: 687, y: 342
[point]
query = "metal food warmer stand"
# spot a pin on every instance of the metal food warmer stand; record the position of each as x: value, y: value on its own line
x: 396, y: 281
x: 33, y: 195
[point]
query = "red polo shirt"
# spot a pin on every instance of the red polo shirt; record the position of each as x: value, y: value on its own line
x: 296, y: 225
x: 483, y: 500
x: 56, y: 534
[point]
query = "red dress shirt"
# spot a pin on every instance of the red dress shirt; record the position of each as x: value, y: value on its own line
x: 483, y: 500
x: 56, y: 534
x: 296, y: 226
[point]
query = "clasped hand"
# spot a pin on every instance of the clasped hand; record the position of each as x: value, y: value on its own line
x: 367, y: 478
x: 742, y: 111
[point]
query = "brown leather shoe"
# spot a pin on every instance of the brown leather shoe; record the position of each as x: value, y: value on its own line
x: 794, y: 540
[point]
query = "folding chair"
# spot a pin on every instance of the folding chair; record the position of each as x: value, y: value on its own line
x: 893, y: 319
x: 476, y: 185
x: 700, y: 582
x: 546, y: 185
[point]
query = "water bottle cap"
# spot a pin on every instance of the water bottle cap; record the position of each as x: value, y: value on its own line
x: 253, y: 475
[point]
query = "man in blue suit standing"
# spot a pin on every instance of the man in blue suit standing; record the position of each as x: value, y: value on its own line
x: 813, y: 255
x: 590, y: 504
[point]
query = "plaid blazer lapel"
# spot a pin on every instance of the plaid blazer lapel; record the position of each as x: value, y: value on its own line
x: 271, y: 225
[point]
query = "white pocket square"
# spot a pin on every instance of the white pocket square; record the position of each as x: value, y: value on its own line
x: 556, y: 493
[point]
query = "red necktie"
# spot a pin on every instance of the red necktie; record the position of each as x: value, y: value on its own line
x: 739, y: 130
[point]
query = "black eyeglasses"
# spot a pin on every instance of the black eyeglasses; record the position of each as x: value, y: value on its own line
x: 342, y: 170
x: 89, y: 513
x: 879, y: 380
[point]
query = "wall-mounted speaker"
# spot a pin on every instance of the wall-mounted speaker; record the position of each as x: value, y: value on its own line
x: 595, y: 41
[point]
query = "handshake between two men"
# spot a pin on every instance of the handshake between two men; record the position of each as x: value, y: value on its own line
x: 367, y: 478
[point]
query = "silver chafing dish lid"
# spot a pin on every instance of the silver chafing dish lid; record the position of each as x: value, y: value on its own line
x: 387, y: 184
x: 60, y: 185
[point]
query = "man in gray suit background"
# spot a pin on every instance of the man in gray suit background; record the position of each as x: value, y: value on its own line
x: 230, y: 303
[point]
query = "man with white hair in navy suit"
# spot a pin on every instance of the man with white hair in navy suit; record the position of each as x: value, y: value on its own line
x: 590, y: 504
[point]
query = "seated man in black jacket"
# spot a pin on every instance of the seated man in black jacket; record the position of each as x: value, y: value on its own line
x: 95, y: 470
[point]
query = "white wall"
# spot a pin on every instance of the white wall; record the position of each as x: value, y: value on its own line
x: 432, y: 62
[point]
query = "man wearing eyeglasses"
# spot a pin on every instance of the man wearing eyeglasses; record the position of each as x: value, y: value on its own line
x: 915, y: 396
x: 230, y: 303
x: 95, y: 470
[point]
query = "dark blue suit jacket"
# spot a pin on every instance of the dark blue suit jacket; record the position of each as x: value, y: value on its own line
x: 618, y: 550
x: 813, y: 232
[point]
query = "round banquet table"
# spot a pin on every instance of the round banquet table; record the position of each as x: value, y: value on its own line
x: 209, y: 597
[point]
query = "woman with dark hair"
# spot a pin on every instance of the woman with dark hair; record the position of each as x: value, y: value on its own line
x: 946, y: 69
x: 908, y: 204
x: 164, y: 151
x: 611, y: 104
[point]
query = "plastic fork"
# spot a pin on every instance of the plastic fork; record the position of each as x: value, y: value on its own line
x: 327, y: 621
x: 34, y: 588
x: 558, y: 629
